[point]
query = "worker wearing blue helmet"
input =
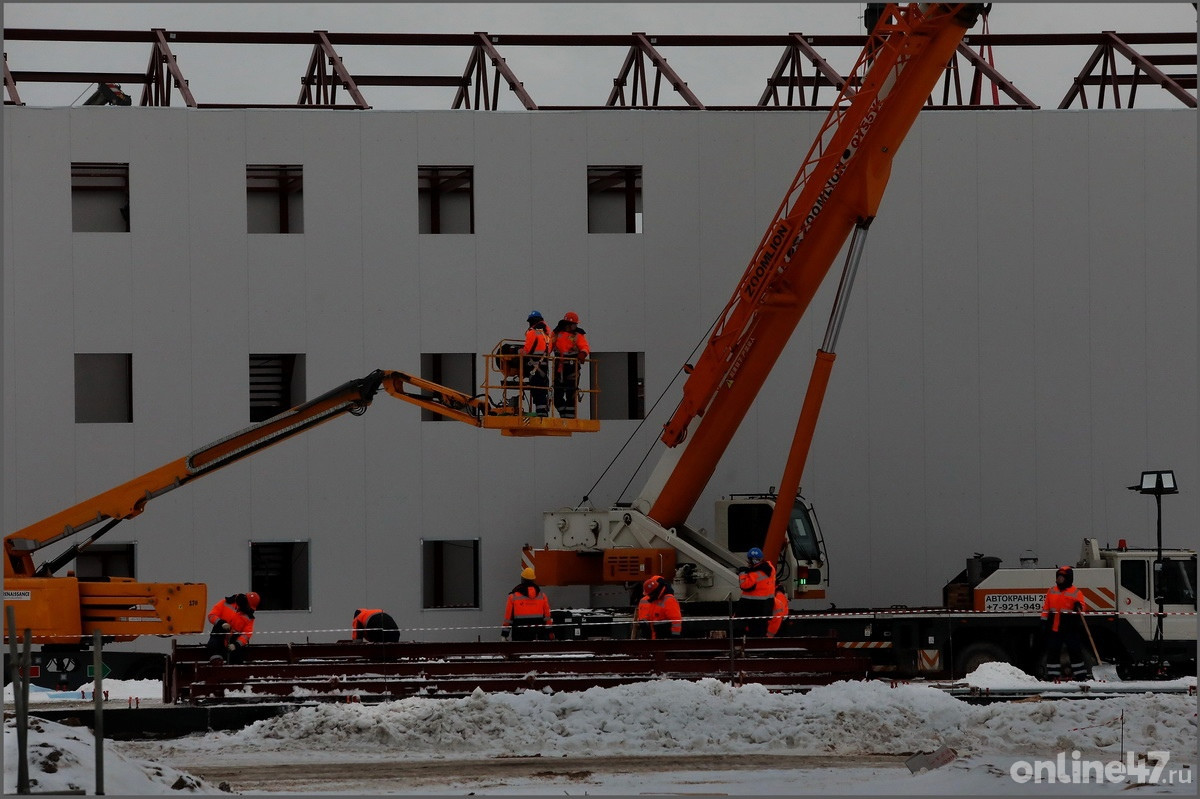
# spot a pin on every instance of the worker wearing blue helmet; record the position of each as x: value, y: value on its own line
x: 757, y: 581
x: 535, y: 365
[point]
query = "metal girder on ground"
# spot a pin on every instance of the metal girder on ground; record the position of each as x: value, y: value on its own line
x: 479, y: 85
x: 354, y: 669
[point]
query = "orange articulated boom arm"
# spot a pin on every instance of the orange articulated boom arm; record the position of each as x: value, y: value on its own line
x: 840, y: 183
x: 129, y: 499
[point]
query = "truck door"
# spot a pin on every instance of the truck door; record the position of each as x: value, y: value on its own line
x: 1178, y: 587
x: 1133, y: 595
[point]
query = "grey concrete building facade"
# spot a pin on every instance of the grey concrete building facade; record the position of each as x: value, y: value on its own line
x: 1021, y: 343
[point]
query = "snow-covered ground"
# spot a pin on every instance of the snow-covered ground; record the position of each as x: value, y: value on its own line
x: 653, y: 738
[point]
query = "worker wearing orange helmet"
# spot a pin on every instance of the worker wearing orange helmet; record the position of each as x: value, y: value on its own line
x: 535, y: 369
x: 658, y: 614
x: 571, y: 349
x: 779, y: 614
x: 1062, y: 625
x: 527, y: 611
x: 232, y: 620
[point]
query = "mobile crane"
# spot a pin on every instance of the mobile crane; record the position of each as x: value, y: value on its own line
x: 64, y: 612
x: 835, y: 193
x: 986, y: 610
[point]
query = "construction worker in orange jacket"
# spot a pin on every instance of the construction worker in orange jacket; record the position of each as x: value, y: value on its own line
x: 1062, y: 624
x: 658, y: 614
x: 570, y: 346
x: 374, y: 626
x: 779, y: 613
x: 757, y: 581
x: 535, y: 365
x: 232, y: 620
x: 527, y: 611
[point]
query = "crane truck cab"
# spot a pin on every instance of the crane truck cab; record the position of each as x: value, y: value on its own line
x: 1122, y: 587
x: 623, y: 547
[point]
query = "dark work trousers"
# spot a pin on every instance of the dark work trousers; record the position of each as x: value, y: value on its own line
x: 759, y: 609
x: 538, y: 380
x: 566, y: 385
x: 1068, y: 636
x: 218, y: 646
x: 529, y: 630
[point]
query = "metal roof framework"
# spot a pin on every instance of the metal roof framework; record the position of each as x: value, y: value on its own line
x: 802, y: 72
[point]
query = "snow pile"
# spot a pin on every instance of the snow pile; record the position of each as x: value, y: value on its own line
x: 1001, y: 675
x: 845, y: 718
x: 845, y: 724
x: 62, y: 759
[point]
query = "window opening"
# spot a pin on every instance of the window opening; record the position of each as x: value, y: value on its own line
x: 274, y: 198
x: 446, y: 199
x: 614, y: 199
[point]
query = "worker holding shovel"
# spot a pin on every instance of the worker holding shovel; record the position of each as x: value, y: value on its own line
x: 1063, y: 623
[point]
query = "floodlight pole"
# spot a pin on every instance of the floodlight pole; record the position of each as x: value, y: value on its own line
x: 1158, y: 489
x: 1158, y: 574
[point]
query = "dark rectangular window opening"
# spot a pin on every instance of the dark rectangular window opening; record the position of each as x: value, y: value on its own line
x: 99, y: 197
x: 1133, y: 578
x: 454, y: 370
x: 446, y: 199
x: 620, y: 385
x: 103, y: 387
x: 614, y: 199
x: 274, y: 198
x: 747, y: 525
x: 276, y: 384
x: 280, y: 572
x: 450, y: 574
x: 106, y: 560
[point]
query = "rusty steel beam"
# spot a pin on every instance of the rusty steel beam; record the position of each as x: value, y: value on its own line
x: 825, y: 74
x: 161, y: 73
x: 455, y: 669
x: 11, y: 96
x: 1105, y: 54
x: 324, y: 74
x: 487, y: 46
x: 643, y: 47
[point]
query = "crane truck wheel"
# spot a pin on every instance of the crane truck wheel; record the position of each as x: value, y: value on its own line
x: 975, y: 655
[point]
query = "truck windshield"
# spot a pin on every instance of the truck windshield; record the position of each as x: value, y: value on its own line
x: 803, y: 534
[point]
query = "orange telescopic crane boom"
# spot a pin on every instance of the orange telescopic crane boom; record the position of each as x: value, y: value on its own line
x: 836, y: 191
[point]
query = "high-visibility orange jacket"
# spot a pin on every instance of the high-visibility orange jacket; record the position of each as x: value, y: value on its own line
x: 360, y: 621
x: 663, y: 609
x: 241, y: 626
x: 777, y: 616
x: 572, y: 344
x: 1061, y: 601
x: 537, y: 341
x: 526, y: 603
x: 759, y: 581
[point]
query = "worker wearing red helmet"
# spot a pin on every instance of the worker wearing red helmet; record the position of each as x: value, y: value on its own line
x: 535, y: 368
x: 658, y: 614
x: 1062, y: 624
x: 232, y: 620
x: 571, y: 350
x: 527, y: 611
